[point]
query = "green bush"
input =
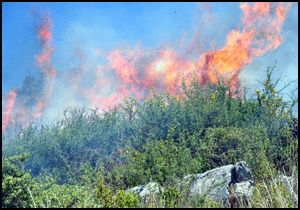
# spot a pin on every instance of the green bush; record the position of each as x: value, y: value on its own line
x: 52, y: 195
x: 108, y: 199
x: 16, y: 183
x: 126, y: 200
x: 172, y: 197
x: 164, y: 162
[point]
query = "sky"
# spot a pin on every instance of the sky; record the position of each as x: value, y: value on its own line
x: 102, y: 25
x: 93, y: 28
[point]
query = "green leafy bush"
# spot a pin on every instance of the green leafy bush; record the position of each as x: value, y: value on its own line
x: 52, y: 195
x: 108, y: 199
x: 16, y: 183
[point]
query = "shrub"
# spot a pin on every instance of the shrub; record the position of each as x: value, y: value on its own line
x: 161, y: 161
x: 16, y: 183
x: 172, y: 197
x: 108, y: 199
x: 51, y: 195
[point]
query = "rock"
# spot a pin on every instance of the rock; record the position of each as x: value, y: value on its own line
x: 240, y: 173
x: 239, y: 194
x: 289, y: 182
x: 291, y: 185
x: 213, y: 183
x: 146, y: 191
x: 223, y: 182
x: 243, y: 189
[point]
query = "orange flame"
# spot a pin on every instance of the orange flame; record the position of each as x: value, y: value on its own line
x: 44, y: 61
x: 23, y: 114
x: 8, y: 108
x: 259, y: 33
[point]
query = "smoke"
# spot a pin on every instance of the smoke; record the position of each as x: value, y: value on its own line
x: 134, y: 71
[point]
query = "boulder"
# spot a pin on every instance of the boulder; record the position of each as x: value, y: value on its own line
x: 243, y: 189
x: 223, y: 182
x: 146, y: 191
x: 240, y: 173
x: 213, y: 183
x: 226, y: 184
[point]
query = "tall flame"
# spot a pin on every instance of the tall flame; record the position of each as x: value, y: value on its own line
x: 260, y: 33
x: 8, y: 108
x: 44, y: 61
x: 22, y: 113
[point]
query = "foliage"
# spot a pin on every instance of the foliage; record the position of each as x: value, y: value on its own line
x: 109, y: 199
x: 205, y: 202
x: 16, y: 183
x: 52, y: 195
x: 172, y: 197
x: 161, y: 138
x: 161, y: 161
x: 271, y: 195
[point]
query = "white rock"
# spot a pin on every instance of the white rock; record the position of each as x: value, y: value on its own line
x: 243, y: 189
x: 144, y: 191
x: 217, y: 182
x: 213, y: 183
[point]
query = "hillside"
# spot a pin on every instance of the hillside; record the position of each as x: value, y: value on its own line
x: 89, y: 159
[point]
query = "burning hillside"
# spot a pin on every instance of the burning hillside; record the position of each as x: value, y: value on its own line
x: 135, y: 71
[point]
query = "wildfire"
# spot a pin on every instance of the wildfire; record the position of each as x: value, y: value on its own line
x: 16, y: 109
x: 260, y: 34
x: 45, y: 37
x: 133, y: 72
x: 44, y: 61
x: 8, y: 108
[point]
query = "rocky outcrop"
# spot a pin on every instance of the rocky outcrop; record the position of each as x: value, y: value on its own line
x: 213, y: 183
x: 220, y: 184
x: 227, y: 184
x: 146, y: 191
x: 243, y: 189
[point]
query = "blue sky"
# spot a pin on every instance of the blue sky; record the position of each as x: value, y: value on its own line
x: 107, y: 25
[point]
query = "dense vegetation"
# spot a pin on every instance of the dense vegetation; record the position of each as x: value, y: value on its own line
x: 89, y: 159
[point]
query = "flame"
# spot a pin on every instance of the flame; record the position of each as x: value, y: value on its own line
x: 8, y: 108
x: 135, y: 71
x: 228, y: 61
x: 44, y: 61
x: 45, y: 37
x: 16, y: 109
x: 167, y: 70
x: 268, y: 26
x: 124, y: 66
x: 260, y: 34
